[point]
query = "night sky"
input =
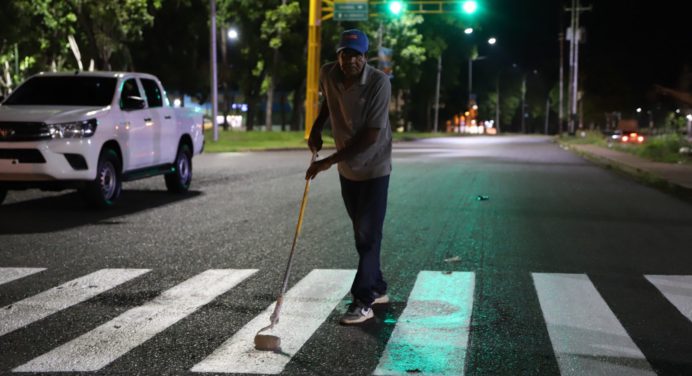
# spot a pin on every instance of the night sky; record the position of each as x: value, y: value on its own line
x: 630, y: 45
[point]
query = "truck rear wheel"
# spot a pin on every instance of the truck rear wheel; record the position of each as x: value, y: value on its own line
x: 179, y: 180
x: 103, y: 191
x: 3, y: 194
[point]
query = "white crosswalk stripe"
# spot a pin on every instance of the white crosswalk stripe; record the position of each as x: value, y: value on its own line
x: 586, y: 336
x: 438, y: 308
x: 305, y: 307
x: 101, y: 346
x: 37, y: 307
x: 431, y: 336
x: 677, y: 289
x: 10, y: 274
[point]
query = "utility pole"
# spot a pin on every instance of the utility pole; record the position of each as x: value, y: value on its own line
x: 214, y: 82
x: 437, y: 93
x: 470, y: 78
x: 561, y: 38
x: 574, y: 36
x: 547, y: 114
x: 523, y: 103
x: 497, y: 104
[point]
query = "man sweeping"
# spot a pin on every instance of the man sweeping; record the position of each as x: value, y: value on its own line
x: 356, y: 101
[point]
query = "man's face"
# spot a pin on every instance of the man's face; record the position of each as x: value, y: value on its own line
x: 351, y: 62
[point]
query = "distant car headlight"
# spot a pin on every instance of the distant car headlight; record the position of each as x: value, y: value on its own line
x: 77, y: 129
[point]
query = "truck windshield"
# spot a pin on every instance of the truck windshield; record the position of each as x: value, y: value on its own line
x: 64, y: 91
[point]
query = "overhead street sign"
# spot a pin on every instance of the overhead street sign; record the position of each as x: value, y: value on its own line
x: 351, y: 11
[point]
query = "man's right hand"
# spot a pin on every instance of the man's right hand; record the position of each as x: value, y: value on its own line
x: 315, y: 142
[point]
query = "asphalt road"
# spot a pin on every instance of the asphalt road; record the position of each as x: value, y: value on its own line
x: 566, y: 266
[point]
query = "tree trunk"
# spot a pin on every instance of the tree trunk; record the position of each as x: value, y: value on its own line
x: 297, y: 111
x: 270, y: 91
x: 268, y: 105
x: 250, y: 124
x: 283, y: 111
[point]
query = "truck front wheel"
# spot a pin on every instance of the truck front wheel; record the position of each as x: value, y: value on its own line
x: 178, y: 181
x: 103, y: 191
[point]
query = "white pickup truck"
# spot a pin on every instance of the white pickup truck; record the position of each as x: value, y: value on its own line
x: 92, y: 131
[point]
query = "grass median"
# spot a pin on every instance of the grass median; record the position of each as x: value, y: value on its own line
x: 659, y: 148
x: 234, y: 141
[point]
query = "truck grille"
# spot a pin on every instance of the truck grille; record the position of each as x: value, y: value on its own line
x: 23, y: 155
x: 18, y: 131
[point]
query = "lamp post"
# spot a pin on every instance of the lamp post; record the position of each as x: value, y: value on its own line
x: 214, y: 81
x: 523, y: 100
x: 437, y: 93
x: 471, y: 60
x: 230, y: 36
x: 491, y: 41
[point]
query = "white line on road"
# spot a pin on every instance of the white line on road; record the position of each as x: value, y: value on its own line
x: 10, y: 274
x: 305, y: 307
x: 677, y: 289
x: 586, y: 336
x: 101, y: 346
x: 431, y: 335
x: 37, y: 307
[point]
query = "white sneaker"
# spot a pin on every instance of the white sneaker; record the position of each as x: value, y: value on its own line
x: 381, y: 299
x: 356, y: 314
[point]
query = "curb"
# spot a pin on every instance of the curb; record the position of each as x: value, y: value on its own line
x: 637, y: 174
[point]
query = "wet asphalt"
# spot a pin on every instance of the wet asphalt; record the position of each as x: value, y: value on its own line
x: 543, y: 210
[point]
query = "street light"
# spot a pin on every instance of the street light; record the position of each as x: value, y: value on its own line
x: 469, y: 7
x: 232, y: 34
x: 468, y: 30
x: 395, y: 7
x: 492, y: 41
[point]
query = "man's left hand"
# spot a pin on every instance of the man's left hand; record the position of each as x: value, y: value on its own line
x: 317, y: 167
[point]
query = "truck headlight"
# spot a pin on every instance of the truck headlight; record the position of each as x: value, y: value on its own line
x: 77, y: 129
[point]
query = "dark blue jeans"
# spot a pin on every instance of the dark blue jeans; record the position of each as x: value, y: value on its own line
x: 366, y: 204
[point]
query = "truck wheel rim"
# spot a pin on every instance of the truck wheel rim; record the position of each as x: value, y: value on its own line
x: 184, y: 169
x: 108, y: 180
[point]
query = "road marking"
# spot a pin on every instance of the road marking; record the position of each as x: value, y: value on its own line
x: 10, y: 274
x: 431, y: 335
x: 101, y: 346
x: 586, y: 336
x: 37, y: 307
x: 305, y: 307
x: 677, y: 289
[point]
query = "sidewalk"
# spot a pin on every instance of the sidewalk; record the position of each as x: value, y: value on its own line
x: 672, y: 176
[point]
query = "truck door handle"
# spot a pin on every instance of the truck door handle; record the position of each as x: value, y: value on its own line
x: 148, y: 120
x: 167, y: 117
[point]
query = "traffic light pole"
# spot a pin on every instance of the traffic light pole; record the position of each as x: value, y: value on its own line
x: 319, y: 13
x: 314, y: 45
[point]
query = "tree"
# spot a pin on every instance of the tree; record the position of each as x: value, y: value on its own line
x: 175, y: 44
x: 249, y: 72
x: 275, y: 27
x: 110, y: 25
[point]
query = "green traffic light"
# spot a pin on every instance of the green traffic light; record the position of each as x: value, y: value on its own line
x: 395, y: 7
x: 469, y: 7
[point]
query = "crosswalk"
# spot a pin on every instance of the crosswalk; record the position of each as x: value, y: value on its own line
x: 431, y: 335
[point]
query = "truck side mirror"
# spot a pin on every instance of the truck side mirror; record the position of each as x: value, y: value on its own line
x: 132, y: 103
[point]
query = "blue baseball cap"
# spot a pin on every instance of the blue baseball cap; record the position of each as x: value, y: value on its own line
x: 353, y: 39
